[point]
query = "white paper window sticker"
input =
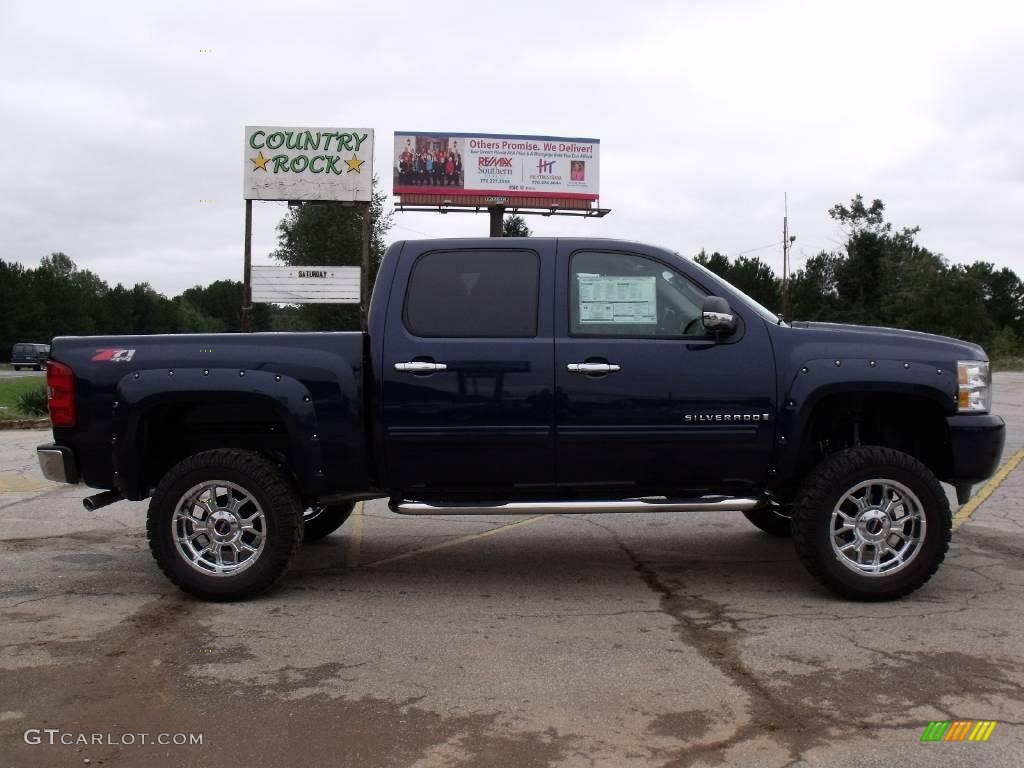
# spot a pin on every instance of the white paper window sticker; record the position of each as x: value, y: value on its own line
x: 617, y: 299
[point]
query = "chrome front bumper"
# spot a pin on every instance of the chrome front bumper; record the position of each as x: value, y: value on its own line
x: 57, y: 463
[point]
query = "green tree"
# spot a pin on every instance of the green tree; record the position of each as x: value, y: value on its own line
x: 813, y: 293
x: 515, y: 226
x: 716, y: 262
x: 317, y: 234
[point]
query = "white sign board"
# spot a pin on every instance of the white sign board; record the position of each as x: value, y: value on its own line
x: 609, y: 299
x: 308, y: 163
x: 305, y: 285
x: 484, y: 165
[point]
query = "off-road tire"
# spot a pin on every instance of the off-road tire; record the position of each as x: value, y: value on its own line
x: 823, y: 489
x: 260, y: 478
x: 773, y: 519
x: 320, y: 522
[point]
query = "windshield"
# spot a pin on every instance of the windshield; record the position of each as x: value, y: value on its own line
x: 762, y: 310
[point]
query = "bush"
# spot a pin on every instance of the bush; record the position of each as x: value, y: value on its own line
x: 32, y: 402
x: 1005, y: 345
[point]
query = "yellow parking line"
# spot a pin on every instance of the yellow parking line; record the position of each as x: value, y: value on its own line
x: 456, y: 542
x: 987, y: 489
x: 356, y: 542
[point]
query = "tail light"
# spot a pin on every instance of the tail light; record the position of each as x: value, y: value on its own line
x: 60, y: 394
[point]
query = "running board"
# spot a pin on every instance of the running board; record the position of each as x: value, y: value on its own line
x: 703, y: 504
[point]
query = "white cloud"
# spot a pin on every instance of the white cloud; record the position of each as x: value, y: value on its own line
x: 116, y: 126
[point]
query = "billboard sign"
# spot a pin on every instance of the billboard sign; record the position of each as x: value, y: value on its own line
x: 305, y: 285
x: 495, y: 166
x: 308, y: 163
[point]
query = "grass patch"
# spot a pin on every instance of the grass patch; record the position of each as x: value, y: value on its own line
x: 1008, y: 364
x: 11, y: 389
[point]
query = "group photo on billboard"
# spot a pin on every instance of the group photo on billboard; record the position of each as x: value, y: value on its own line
x: 427, y: 160
x: 487, y: 164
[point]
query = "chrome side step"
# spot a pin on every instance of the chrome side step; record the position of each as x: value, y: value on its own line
x: 703, y: 504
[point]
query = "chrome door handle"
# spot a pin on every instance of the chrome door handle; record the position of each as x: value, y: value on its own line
x: 593, y: 367
x: 419, y: 366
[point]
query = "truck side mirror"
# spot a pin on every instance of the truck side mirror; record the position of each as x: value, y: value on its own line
x: 717, y: 317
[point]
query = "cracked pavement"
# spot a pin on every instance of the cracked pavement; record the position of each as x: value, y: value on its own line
x: 615, y: 640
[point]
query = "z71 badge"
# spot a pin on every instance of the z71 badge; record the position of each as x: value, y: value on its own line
x: 113, y: 355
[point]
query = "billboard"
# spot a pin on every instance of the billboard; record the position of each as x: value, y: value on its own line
x: 305, y: 285
x: 496, y: 165
x: 308, y: 163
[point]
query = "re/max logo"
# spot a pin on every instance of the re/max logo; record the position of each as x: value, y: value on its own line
x: 490, y: 161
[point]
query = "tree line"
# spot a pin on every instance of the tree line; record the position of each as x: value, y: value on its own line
x: 881, y: 276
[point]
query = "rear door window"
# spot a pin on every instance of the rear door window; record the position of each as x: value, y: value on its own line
x: 474, y: 294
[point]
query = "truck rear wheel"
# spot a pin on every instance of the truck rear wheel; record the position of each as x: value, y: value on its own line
x: 321, y: 521
x: 224, y: 524
x: 871, y: 523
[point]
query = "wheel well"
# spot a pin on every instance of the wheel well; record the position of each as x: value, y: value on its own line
x: 172, y: 432
x: 908, y: 423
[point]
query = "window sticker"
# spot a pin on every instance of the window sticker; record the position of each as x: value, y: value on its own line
x: 612, y: 299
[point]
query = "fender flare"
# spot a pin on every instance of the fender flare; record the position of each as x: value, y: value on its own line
x: 817, y: 379
x: 138, y: 393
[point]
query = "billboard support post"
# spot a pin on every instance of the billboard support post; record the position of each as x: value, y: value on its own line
x: 247, y: 272
x: 497, y: 213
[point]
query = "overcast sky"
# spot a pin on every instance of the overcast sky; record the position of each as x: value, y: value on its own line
x: 116, y: 125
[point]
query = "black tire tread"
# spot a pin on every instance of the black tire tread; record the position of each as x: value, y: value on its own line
x: 282, y: 497
x: 817, y: 493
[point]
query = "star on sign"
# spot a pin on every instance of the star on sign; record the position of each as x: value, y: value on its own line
x: 260, y: 161
x: 355, y: 164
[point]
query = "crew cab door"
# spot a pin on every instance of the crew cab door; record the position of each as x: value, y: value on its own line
x: 467, y: 379
x: 647, y: 403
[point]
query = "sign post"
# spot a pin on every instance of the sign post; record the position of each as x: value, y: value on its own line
x: 247, y: 279
x: 300, y: 165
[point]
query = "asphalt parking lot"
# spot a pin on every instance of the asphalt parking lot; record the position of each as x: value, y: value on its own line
x: 675, y: 640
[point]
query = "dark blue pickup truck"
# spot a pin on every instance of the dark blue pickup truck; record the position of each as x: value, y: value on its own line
x: 519, y: 376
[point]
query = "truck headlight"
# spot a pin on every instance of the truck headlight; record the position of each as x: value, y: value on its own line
x: 975, y: 393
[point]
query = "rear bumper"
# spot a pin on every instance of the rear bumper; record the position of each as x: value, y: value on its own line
x: 58, y: 463
x: 977, y: 445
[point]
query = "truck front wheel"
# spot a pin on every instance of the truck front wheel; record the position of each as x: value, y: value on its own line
x: 324, y: 519
x: 871, y: 523
x: 224, y: 524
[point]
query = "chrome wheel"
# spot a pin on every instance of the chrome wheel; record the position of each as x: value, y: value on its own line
x: 219, y: 528
x: 877, y: 528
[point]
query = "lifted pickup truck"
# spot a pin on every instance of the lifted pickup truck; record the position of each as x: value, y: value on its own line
x: 528, y: 376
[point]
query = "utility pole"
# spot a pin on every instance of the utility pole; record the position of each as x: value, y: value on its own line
x: 787, y: 243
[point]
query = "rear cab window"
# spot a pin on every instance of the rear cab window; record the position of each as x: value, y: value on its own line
x: 473, y: 294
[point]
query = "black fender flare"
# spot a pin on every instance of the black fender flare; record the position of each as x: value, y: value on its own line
x: 138, y: 393
x: 817, y: 379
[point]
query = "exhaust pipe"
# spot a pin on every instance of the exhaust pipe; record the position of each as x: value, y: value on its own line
x: 92, y: 503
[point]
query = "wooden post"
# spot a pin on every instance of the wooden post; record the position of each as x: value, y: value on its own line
x: 364, y: 275
x: 247, y: 277
x: 497, y: 219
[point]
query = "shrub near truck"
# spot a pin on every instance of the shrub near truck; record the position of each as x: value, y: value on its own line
x: 530, y: 376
